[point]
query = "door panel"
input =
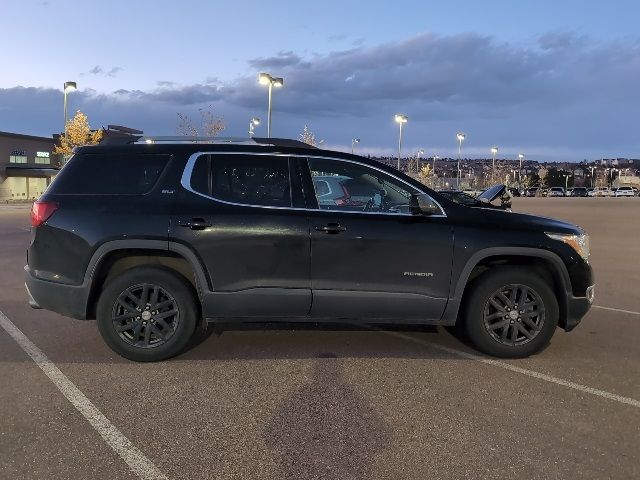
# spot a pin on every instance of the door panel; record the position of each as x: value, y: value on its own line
x: 368, y: 260
x: 384, y: 265
x: 251, y: 253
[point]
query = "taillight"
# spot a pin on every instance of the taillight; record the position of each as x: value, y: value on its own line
x: 41, y: 211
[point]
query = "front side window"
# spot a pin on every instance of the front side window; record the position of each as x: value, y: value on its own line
x: 348, y: 186
x: 259, y: 180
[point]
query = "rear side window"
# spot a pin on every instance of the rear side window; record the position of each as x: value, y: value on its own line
x: 259, y: 180
x: 109, y: 174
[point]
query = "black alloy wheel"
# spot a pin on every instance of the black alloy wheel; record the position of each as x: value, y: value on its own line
x: 510, y: 312
x: 148, y: 313
x: 145, y: 315
x: 514, y: 314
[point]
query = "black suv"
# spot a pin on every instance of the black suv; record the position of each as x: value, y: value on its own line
x: 156, y: 237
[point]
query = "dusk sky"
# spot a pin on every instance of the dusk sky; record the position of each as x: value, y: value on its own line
x: 555, y: 79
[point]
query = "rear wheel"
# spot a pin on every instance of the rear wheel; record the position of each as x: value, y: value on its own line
x: 510, y: 313
x: 147, y: 314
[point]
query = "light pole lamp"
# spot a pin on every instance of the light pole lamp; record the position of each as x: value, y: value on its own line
x: 400, y: 119
x: 270, y: 82
x: 253, y: 123
x: 494, y: 151
x: 353, y: 142
x: 461, y: 137
x: 68, y: 87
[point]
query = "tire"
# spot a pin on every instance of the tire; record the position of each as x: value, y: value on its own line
x: 491, y: 329
x: 170, y: 315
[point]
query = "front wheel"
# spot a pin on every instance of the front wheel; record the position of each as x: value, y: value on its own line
x: 510, y: 313
x: 147, y: 314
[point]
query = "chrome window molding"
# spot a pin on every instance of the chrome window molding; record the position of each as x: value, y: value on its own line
x: 185, y: 181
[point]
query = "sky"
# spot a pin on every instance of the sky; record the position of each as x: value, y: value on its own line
x: 556, y: 80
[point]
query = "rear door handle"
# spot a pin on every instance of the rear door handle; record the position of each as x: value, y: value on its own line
x: 331, y: 228
x: 195, y: 224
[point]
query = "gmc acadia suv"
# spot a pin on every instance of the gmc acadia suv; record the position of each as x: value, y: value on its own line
x: 154, y: 238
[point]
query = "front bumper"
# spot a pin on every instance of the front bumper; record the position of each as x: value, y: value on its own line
x: 577, y: 308
x: 67, y: 300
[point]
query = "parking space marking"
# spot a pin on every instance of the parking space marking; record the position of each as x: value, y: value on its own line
x: 524, y: 371
x: 630, y: 312
x: 134, y: 458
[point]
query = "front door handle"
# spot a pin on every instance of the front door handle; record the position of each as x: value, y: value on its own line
x: 195, y: 224
x: 331, y: 228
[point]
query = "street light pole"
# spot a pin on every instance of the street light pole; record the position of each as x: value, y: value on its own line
x: 400, y: 119
x: 521, y: 158
x: 494, y: 151
x: 420, y: 152
x: 353, y: 142
x: 267, y: 79
x: 592, y: 176
x: 460, y: 136
x: 68, y: 87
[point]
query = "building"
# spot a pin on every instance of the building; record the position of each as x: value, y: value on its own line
x: 27, y: 164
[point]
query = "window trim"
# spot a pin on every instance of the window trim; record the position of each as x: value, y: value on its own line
x: 185, y: 181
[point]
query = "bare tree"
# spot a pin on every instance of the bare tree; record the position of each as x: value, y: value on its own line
x: 211, y: 125
x: 543, y: 175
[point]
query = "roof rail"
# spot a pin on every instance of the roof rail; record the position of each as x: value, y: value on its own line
x: 119, y: 135
x: 192, y: 139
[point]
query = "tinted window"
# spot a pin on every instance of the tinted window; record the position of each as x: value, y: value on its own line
x: 259, y: 180
x: 100, y: 174
x: 356, y: 187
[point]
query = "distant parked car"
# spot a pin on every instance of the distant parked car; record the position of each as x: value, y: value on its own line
x: 636, y: 192
x: 531, y: 192
x: 580, y: 192
x: 602, y: 192
x: 556, y: 192
x: 624, y: 192
x: 569, y: 192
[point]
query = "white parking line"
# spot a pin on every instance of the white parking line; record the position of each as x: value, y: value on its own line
x: 531, y: 373
x: 137, y: 461
x: 631, y: 312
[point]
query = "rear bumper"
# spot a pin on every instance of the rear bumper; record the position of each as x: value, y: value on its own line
x: 67, y: 300
x: 577, y: 308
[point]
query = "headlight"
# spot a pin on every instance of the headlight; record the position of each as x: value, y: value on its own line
x: 580, y: 243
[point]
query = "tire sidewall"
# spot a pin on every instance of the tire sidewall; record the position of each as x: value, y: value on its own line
x: 486, y: 285
x: 180, y: 290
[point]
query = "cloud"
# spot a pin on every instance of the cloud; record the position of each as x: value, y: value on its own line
x: 98, y: 70
x: 562, y: 92
x: 281, y: 60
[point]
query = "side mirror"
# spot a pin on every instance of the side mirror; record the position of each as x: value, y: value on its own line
x: 423, y: 205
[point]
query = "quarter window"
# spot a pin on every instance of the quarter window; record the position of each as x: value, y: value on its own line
x: 354, y: 187
x: 108, y: 174
x: 249, y: 180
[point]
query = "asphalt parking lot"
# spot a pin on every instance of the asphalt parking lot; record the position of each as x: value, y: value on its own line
x: 331, y: 404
